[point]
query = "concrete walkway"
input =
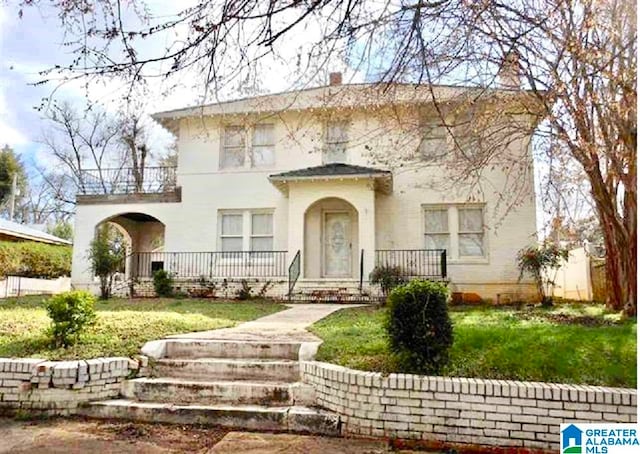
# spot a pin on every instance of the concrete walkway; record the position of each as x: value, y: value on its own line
x: 287, y: 325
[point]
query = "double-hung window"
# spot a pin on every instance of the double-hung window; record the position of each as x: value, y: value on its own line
x: 246, y: 230
x: 336, y: 140
x: 434, y: 140
x: 239, y: 152
x: 457, y: 228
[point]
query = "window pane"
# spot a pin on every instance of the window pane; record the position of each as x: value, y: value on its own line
x: 261, y: 224
x: 232, y: 224
x: 437, y: 221
x: 470, y: 244
x: 337, y: 131
x: 234, y: 136
x: 263, y: 135
x: 437, y: 242
x: 231, y: 244
x: 232, y: 157
x: 262, y: 243
x: 470, y: 220
x: 434, y: 141
x: 262, y: 156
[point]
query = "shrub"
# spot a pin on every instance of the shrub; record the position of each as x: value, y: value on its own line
x: 107, y: 253
x: 419, y: 328
x: 388, y: 277
x: 542, y: 264
x: 163, y: 283
x: 70, y: 312
x: 244, y: 292
x: 30, y: 259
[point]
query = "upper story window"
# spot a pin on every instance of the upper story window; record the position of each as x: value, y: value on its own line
x: 434, y: 139
x: 246, y: 230
x: 457, y: 228
x: 238, y: 152
x: 336, y: 139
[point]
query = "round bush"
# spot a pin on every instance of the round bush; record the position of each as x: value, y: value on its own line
x: 70, y: 312
x: 419, y: 326
x: 163, y: 283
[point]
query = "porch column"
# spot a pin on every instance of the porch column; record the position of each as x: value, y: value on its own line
x: 295, y: 235
x: 367, y: 230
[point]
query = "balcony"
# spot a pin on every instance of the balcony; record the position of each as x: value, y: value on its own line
x: 126, y: 184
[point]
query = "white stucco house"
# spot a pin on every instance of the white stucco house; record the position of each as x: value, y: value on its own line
x: 312, y: 189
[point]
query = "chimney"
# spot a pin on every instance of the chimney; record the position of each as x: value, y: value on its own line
x: 509, y: 72
x: 335, y: 78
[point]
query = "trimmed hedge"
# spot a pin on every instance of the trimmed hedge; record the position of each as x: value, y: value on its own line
x: 31, y: 259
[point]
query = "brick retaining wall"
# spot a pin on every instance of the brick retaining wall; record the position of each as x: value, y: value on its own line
x: 463, y: 411
x: 58, y: 387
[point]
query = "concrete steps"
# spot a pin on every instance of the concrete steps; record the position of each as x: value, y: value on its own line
x: 229, y: 368
x: 186, y: 391
x: 331, y: 291
x: 249, y: 417
x: 233, y: 383
x: 189, y: 348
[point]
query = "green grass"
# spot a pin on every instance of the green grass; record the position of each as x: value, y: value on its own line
x: 569, y: 343
x: 123, y: 326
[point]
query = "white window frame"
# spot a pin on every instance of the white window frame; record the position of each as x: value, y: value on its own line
x: 426, y: 233
x: 325, y: 150
x: 472, y: 232
x: 247, y: 232
x: 248, y: 160
x: 453, y: 253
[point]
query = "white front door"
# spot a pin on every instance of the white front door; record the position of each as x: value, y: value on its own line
x: 337, y: 244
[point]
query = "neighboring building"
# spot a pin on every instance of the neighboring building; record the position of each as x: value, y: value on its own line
x: 314, y: 188
x: 12, y: 231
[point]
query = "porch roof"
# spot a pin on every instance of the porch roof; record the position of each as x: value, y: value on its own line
x: 382, y: 178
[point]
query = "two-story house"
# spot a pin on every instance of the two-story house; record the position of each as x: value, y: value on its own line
x: 312, y: 189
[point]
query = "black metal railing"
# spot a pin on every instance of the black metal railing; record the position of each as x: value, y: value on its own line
x: 415, y: 263
x: 361, y: 268
x: 294, y: 272
x: 127, y: 180
x: 242, y: 264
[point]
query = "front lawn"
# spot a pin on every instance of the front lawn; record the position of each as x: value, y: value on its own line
x: 570, y: 343
x: 123, y: 325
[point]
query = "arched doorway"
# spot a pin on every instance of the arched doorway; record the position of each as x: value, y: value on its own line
x: 331, y: 239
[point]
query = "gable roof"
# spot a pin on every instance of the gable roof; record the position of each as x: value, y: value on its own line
x: 328, y: 170
x: 382, y: 178
x: 24, y: 232
x: 338, y: 96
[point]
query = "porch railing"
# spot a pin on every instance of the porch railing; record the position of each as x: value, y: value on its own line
x: 254, y: 264
x: 127, y: 180
x: 415, y: 263
x: 294, y: 272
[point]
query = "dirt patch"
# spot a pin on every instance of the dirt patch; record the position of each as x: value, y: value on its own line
x: 568, y: 319
x: 75, y: 436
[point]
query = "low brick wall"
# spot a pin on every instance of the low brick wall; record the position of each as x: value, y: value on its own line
x: 463, y: 411
x: 59, y: 387
x: 217, y: 288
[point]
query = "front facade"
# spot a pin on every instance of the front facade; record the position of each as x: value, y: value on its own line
x: 315, y: 188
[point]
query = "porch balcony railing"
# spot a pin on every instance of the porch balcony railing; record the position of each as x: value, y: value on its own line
x: 193, y: 265
x: 127, y: 180
x: 415, y: 263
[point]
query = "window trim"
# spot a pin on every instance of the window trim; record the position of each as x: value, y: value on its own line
x: 453, y: 256
x: 248, y: 162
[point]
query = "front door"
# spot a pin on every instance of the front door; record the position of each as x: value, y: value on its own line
x: 337, y: 244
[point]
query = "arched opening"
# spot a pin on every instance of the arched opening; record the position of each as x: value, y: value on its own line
x: 144, y: 236
x: 331, y: 241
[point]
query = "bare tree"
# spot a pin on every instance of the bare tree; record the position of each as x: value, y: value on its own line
x: 577, y: 58
x: 133, y: 136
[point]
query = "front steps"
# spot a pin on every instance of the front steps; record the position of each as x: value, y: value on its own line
x: 332, y: 291
x: 236, y: 384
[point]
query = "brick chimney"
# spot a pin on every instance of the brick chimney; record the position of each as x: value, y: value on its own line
x: 509, y: 73
x: 335, y: 78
